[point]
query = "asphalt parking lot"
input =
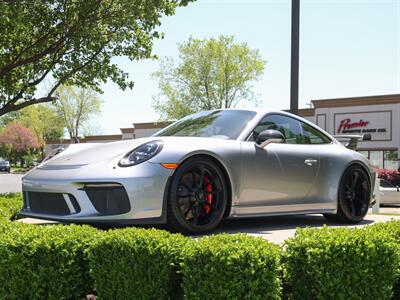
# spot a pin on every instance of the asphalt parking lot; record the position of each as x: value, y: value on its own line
x: 274, y: 229
x: 10, y: 183
x: 278, y: 229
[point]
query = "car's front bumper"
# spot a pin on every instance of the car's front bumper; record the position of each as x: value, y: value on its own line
x: 145, y: 187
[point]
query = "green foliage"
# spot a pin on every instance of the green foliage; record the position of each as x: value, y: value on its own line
x: 137, y: 264
x: 45, y: 262
x: 72, y: 42
x: 231, y: 267
x: 393, y: 229
x: 210, y: 74
x: 17, y: 142
x: 43, y: 120
x: 76, y: 107
x: 10, y: 204
x: 340, y: 263
x: 68, y: 262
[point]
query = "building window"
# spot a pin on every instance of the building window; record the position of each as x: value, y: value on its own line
x: 376, y: 159
x: 383, y: 159
x: 365, y: 153
x: 391, y: 160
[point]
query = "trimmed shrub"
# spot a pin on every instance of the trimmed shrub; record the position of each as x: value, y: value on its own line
x: 50, y: 262
x: 393, y: 229
x: 340, y: 263
x: 231, y: 267
x: 10, y: 204
x: 136, y: 263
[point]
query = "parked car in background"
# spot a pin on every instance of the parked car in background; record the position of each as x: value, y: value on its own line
x: 390, y: 194
x: 5, y: 166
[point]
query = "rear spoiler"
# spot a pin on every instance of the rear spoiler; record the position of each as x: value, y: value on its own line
x: 354, y: 139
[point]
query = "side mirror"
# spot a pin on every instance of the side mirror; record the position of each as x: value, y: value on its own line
x: 269, y: 136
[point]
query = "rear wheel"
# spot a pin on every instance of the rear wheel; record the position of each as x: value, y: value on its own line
x: 353, y: 196
x: 198, y: 197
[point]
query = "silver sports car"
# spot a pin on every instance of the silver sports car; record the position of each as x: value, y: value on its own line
x: 203, y: 168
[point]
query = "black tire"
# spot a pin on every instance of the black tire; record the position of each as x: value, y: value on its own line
x: 354, y: 196
x: 197, y: 198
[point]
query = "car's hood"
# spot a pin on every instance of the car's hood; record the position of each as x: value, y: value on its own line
x: 84, y: 154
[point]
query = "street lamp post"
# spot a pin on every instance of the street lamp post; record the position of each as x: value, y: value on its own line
x: 294, y: 61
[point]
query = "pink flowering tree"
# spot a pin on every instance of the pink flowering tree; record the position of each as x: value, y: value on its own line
x: 18, y: 142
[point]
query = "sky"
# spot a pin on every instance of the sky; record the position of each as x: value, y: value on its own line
x: 347, y: 48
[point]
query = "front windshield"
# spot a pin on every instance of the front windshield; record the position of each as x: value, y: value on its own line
x: 224, y: 124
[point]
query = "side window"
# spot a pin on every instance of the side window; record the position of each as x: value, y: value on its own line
x: 313, y: 136
x: 290, y: 128
x: 294, y: 131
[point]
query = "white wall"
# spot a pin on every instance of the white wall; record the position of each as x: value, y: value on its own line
x: 139, y: 133
x: 378, y: 117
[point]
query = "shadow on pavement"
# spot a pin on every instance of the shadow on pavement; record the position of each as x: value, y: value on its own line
x: 264, y: 225
x: 275, y: 229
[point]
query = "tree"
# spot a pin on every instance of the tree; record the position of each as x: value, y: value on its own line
x: 43, y: 120
x: 8, y: 118
x: 76, y: 106
x: 72, y: 42
x: 210, y: 74
x: 18, y: 141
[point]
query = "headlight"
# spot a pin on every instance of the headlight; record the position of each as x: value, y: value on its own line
x: 141, y: 154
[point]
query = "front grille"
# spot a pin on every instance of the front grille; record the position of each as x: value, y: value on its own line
x: 108, y: 198
x: 49, y: 203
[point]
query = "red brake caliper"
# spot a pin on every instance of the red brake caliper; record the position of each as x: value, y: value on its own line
x: 208, y: 195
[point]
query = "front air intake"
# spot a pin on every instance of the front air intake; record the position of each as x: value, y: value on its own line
x: 49, y: 203
x: 108, y: 198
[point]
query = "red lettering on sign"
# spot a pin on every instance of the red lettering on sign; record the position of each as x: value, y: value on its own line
x: 347, y: 124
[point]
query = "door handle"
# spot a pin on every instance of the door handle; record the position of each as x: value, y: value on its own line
x: 310, y: 162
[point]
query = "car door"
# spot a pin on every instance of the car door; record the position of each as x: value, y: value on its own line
x: 278, y: 178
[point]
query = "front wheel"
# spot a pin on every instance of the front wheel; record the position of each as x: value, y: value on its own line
x: 197, y: 197
x: 354, y: 196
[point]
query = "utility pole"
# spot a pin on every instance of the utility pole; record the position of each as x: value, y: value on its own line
x: 294, y: 58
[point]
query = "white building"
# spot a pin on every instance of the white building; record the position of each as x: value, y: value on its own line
x: 377, y: 115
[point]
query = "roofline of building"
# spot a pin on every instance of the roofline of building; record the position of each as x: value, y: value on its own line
x: 127, y: 130
x: 357, y: 101
x: 151, y: 125
x: 306, y: 112
x: 112, y: 137
x: 63, y: 141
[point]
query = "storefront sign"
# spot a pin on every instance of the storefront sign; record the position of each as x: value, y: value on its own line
x: 378, y: 124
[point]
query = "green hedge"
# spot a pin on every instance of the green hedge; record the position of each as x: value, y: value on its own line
x: 393, y: 229
x: 340, y: 263
x: 10, y: 204
x: 137, y: 264
x: 231, y: 267
x: 68, y: 262
x: 45, y: 262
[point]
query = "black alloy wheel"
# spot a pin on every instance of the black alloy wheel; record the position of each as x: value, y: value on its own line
x: 197, y: 198
x: 354, y: 196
